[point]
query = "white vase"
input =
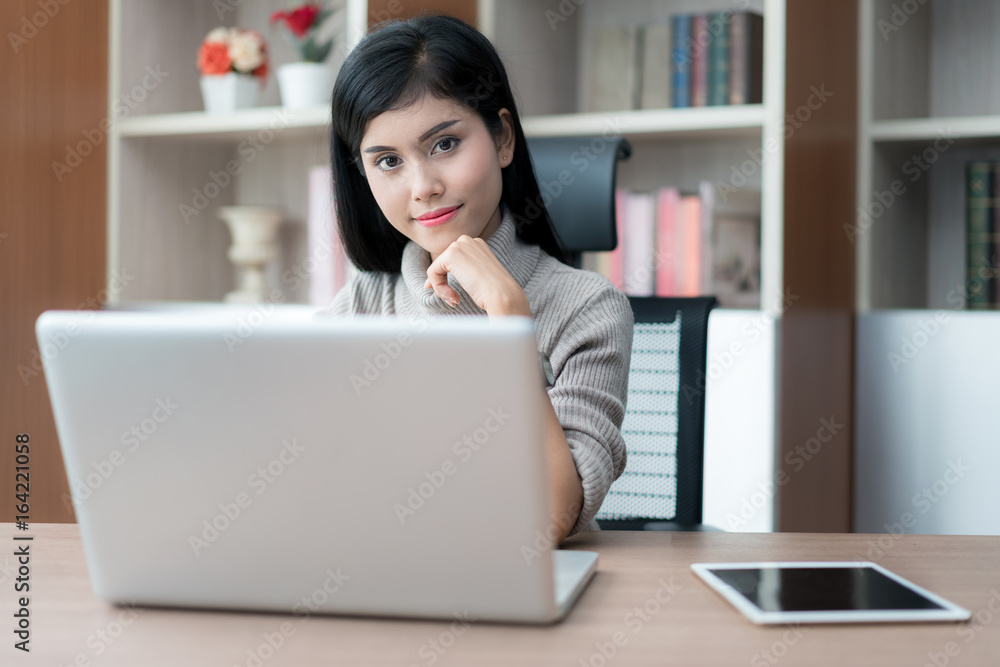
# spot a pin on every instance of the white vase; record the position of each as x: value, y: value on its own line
x: 224, y: 93
x: 254, y: 230
x: 304, y: 85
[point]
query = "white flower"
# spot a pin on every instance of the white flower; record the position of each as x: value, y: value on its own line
x: 245, y: 51
x: 220, y: 35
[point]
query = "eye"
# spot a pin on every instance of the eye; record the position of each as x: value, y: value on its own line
x: 387, y: 162
x: 445, y: 145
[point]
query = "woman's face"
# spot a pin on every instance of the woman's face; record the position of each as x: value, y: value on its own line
x: 434, y: 170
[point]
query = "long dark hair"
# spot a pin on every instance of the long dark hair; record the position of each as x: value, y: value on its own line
x: 393, y: 66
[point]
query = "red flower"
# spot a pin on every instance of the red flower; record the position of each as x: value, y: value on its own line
x: 213, y: 58
x: 299, y: 20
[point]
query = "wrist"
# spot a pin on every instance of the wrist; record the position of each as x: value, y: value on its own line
x: 507, y: 304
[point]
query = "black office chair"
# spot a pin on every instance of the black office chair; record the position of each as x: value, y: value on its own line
x: 577, y: 177
x: 664, y: 427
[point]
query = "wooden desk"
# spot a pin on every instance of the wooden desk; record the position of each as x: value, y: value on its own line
x: 693, y: 627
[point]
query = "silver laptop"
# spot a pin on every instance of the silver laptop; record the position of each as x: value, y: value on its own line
x: 267, y: 459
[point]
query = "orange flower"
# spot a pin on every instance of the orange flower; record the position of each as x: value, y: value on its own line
x: 213, y: 58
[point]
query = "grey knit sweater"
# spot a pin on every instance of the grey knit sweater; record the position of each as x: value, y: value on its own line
x: 582, y: 321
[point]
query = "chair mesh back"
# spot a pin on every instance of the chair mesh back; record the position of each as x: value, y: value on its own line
x: 648, y: 486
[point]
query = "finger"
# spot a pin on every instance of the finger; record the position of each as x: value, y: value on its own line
x: 437, y: 279
x: 443, y: 290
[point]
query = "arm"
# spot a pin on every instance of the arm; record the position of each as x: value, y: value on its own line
x: 565, y: 486
x: 585, y: 409
x: 590, y: 357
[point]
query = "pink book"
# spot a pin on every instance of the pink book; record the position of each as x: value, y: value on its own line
x: 319, y: 266
x: 690, y: 221
x: 700, y: 41
x: 667, y: 202
x: 617, y: 259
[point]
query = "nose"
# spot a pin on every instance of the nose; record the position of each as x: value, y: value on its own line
x: 427, y: 182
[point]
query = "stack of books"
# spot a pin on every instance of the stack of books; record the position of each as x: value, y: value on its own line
x: 673, y: 243
x: 694, y: 60
x: 982, y: 235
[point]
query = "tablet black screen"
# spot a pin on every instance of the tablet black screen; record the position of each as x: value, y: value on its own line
x: 822, y: 589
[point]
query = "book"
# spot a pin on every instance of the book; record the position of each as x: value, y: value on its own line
x: 615, y: 263
x: 667, y: 203
x: 980, y: 232
x: 321, y: 235
x: 746, y: 58
x: 680, y: 30
x: 687, y: 275
x: 706, y: 194
x: 640, y: 230
x: 326, y: 265
x: 612, y: 68
x: 698, y: 48
x: 718, y: 59
x: 657, y: 71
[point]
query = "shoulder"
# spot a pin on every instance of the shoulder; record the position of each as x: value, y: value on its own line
x: 362, y: 294
x: 571, y: 290
x: 574, y: 303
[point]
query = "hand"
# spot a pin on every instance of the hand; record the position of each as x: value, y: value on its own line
x: 480, y: 274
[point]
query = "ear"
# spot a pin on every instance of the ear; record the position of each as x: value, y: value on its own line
x: 505, y: 139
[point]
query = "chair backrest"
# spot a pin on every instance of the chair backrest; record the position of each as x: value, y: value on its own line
x: 664, y: 426
x: 576, y: 178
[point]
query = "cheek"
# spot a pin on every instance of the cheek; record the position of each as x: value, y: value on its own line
x: 481, y: 174
x: 383, y: 193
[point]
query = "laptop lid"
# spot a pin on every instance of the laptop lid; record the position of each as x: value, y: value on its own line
x: 280, y: 462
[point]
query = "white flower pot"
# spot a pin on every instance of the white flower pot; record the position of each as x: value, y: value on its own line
x: 305, y: 85
x: 225, y: 93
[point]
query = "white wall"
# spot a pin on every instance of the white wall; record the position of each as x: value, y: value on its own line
x: 740, y: 420
x: 927, y: 422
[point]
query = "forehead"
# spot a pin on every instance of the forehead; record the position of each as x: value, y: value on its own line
x: 407, y: 124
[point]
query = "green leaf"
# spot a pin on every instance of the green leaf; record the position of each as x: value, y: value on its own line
x: 323, y: 51
x: 313, y: 52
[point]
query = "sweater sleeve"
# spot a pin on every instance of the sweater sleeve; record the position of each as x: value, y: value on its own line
x: 591, y: 362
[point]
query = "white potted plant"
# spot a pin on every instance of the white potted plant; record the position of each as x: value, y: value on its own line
x: 233, y: 64
x: 308, y: 82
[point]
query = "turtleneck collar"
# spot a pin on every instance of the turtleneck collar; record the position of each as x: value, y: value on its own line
x: 516, y: 256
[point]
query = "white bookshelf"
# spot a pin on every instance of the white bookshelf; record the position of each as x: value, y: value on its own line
x: 933, y: 402
x: 164, y: 150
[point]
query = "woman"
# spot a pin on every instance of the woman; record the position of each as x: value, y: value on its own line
x: 433, y: 185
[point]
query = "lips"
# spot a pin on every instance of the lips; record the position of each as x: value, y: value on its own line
x: 438, y: 216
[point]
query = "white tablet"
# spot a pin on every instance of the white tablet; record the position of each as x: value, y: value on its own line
x: 824, y: 592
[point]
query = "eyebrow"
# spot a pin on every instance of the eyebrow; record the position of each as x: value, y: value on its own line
x: 423, y: 137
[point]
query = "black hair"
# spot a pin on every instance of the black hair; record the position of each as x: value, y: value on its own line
x: 393, y: 66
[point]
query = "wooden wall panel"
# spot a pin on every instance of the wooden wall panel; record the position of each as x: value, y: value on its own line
x: 817, y: 331
x: 382, y: 10
x: 52, y: 219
